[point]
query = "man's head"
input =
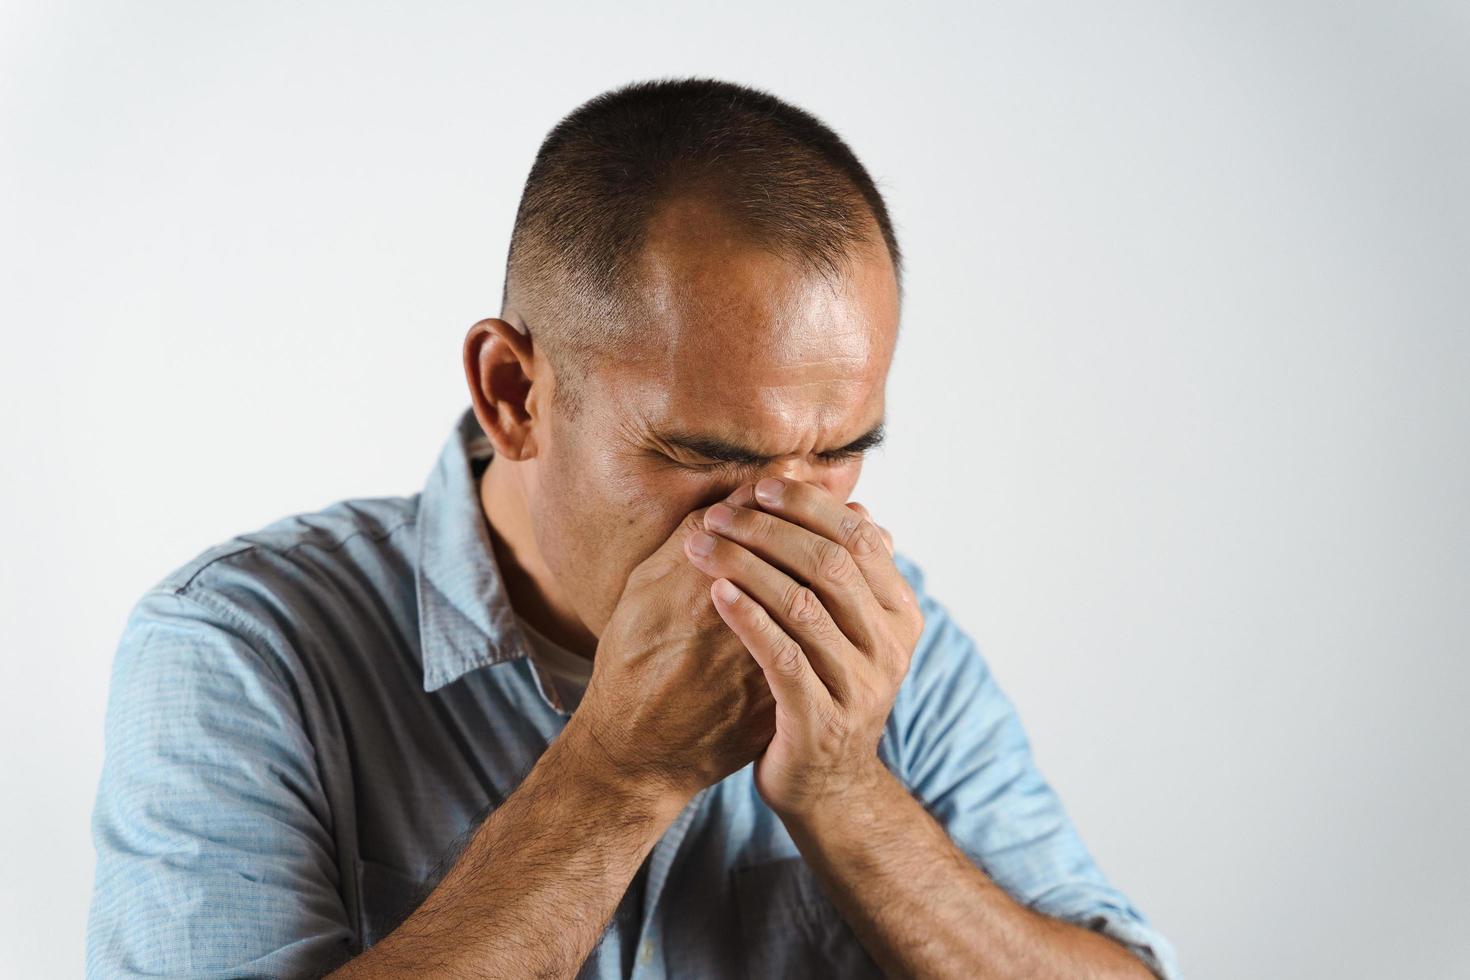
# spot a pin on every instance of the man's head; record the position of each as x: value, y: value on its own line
x: 703, y: 288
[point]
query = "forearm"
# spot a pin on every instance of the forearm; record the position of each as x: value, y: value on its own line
x: 536, y: 885
x: 921, y: 907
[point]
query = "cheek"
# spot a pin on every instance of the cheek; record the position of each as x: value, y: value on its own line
x: 576, y: 527
x: 614, y: 516
x: 840, y: 480
x: 650, y: 507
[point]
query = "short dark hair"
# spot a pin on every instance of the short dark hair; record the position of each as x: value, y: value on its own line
x: 786, y: 180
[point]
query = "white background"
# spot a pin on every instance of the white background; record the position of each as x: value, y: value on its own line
x: 1180, y: 411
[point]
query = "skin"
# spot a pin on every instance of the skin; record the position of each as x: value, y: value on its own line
x: 738, y: 347
x: 597, y: 526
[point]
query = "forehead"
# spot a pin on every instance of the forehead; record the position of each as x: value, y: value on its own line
x: 739, y: 342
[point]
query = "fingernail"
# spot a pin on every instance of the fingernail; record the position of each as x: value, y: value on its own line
x: 701, y: 543
x: 726, y: 591
x: 769, y: 490
x: 719, y: 517
x: 741, y: 495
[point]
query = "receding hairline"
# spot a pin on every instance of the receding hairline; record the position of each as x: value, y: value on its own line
x: 785, y: 181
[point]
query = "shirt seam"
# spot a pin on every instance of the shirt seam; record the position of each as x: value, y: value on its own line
x: 205, y: 598
x: 252, y: 546
x: 259, y: 641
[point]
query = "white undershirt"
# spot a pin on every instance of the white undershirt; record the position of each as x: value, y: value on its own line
x: 569, y: 671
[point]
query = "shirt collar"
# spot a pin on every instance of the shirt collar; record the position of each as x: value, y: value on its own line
x: 465, y: 617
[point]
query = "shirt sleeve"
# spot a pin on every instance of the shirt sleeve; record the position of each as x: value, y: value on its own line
x: 210, y: 825
x: 966, y: 757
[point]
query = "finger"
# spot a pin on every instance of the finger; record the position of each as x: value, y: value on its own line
x: 743, y: 495
x: 814, y: 508
x: 807, y: 557
x: 794, y: 607
x: 669, y: 555
x: 887, y: 538
x: 794, y: 684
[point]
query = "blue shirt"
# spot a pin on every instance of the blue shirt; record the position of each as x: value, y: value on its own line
x: 305, y: 720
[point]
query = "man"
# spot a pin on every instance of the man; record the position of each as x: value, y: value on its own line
x: 631, y: 688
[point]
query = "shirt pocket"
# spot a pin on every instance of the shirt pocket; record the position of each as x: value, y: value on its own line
x: 386, y: 897
x: 789, y: 927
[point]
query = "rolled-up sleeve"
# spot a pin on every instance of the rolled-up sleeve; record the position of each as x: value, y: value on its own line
x: 214, y: 856
x: 966, y: 757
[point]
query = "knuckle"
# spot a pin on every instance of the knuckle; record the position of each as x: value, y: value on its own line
x: 787, y: 658
x: 647, y: 572
x: 639, y: 574
x: 865, y: 540
x: 767, y: 627
x: 802, y: 606
x: 692, y: 522
x: 756, y: 525
x: 833, y: 562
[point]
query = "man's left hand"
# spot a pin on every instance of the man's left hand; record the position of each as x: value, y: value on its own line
x: 825, y: 612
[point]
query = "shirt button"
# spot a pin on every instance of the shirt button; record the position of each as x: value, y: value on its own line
x: 645, y: 952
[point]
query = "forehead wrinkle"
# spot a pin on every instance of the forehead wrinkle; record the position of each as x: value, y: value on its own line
x: 751, y: 352
x: 767, y: 438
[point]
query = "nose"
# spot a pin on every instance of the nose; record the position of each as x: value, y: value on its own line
x: 791, y: 470
x: 796, y: 470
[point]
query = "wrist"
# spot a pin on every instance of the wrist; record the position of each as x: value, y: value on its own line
x: 863, y: 789
x: 582, y: 753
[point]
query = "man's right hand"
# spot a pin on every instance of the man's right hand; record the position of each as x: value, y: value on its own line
x: 675, y: 703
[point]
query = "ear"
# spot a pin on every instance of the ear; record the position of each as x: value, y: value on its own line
x: 500, y: 364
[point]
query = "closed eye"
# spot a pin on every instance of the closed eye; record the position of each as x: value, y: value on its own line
x: 841, y: 456
x: 835, y: 458
x: 724, y: 457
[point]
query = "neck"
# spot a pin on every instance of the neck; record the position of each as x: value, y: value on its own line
x: 533, y: 590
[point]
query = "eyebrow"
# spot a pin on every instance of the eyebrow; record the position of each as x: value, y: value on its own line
x: 723, y: 451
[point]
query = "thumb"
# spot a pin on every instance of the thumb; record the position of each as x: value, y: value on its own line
x: 670, y: 552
